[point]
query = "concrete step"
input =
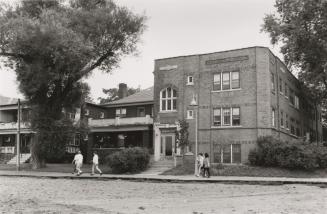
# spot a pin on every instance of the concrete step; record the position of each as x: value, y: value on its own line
x: 23, y: 159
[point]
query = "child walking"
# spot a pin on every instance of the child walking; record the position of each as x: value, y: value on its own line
x: 206, y: 165
x: 95, y: 163
x: 78, y: 160
x: 74, y: 164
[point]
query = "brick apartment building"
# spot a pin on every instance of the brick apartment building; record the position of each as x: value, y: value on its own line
x: 241, y: 94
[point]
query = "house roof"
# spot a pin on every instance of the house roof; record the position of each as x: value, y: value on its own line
x: 7, y: 100
x: 145, y: 95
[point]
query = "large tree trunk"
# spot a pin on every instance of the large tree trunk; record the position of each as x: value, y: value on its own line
x: 36, y: 160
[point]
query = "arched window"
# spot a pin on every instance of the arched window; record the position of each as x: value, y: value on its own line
x: 168, y: 99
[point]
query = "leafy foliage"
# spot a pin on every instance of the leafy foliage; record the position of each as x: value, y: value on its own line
x: 291, y: 155
x: 52, y: 45
x: 129, y: 160
x: 112, y: 94
x: 182, y: 134
x: 300, y: 26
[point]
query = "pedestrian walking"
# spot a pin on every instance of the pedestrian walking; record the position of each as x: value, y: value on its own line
x: 95, y: 163
x: 74, y: 164
x: 200, y: 159
x: 79, y: 162
x: 206, y: 165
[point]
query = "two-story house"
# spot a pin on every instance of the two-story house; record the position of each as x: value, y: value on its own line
x: 241, y: 95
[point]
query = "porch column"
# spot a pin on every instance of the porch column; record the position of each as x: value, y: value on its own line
x: 156, y: 143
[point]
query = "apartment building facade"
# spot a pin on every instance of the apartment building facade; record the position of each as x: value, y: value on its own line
x: 241, y: 95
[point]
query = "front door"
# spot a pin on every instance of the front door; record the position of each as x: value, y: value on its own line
x: 167, y: 145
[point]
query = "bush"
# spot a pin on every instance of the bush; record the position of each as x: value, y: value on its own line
x: 291, y: 155
x: 130, y: 160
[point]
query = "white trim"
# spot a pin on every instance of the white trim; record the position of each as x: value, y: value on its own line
x: 226, y: 127
x: 236, y: 89
x: 167, y: 111
x: 188, y: 116
x: 188, y: 80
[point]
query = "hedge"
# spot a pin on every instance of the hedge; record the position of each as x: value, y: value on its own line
x: 291, y: 155
x: 129, y: 160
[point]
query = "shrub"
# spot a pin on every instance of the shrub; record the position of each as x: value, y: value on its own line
x: 129, y: 160
x: 291, y: 155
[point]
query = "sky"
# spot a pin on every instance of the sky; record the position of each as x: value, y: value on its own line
x: 175, y: 28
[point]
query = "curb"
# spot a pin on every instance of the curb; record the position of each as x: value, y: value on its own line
x: 174, y: 180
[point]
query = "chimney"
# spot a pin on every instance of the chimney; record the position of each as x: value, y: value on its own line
x: 122, y: 91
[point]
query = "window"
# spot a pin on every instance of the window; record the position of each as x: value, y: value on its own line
x: 168, y: 99
x: 140, y: 111
x: 281, y: 119
x: 230, y: 153
x: 235, y: 79
x: 101, y: 114
x: 87, y: 112
x: 273, y: 118
x: 292, y: 126
x: 286, y: 121
x: 226, y: 80
x: 236, y: 116
x: 217, y: 117
x: 120, y: 112
x: 285, y: 88
x: 190, y: 80
x: 292, y: 97
x: 217, y: 82
x: 272, y: 76
x: 190, y: 114
x: 226, y: 114
x: 296, y: 102
x: 280, y: 85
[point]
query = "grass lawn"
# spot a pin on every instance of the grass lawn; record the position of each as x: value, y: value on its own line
x: 65, y: 168
x: 245, y: 170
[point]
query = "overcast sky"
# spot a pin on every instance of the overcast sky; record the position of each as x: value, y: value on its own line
x: 177, y: 27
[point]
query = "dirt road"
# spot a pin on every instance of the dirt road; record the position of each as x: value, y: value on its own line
x: 31, y: 195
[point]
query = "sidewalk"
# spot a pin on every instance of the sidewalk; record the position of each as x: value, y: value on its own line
x: 170, y: 178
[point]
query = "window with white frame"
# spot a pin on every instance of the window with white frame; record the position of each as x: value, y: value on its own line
x: 190, y: 80
x: 229, y: 153
x: 296, y: 102
x: 87, y: 112
x: 273, y: 117
x: 286, y: 89
x: 272, y: 77
x: 286, y: 121
x: 140, y: 111
x: 168, y: 99
x: 120, y: 112
x: 281, y: 118
x: 190, y: 114
x: 226, y: 80
x: 280, y: 85
x: 102, y: 115
x: 226, y: 116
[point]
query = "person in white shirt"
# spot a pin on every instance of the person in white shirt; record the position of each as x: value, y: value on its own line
x: 95, y: 163
x: 200, y: 159
x: 78, y: 160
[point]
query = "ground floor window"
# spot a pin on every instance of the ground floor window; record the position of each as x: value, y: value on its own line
x: 229, y: 153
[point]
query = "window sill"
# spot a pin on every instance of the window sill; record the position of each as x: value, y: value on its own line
x: 190, y: 84
x: 173, y: 111
x: 189, y: 118
x: 236, y: 89
x: 225, y: 127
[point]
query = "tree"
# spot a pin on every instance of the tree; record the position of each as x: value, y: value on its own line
x: 300, y: 26
x: 182, y: 135
x: 53, y: 44
x: 112, y: 94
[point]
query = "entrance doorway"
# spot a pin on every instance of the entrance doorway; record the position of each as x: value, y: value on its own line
x: 167, y: 145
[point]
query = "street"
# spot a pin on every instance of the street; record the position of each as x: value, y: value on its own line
x: 32, y: 195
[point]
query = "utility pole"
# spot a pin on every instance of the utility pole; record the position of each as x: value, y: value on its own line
x: 18, y: 136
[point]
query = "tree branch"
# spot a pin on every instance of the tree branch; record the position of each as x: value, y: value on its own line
x: 12, y: 55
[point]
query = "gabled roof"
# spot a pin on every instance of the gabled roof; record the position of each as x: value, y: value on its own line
x: 143, y: 96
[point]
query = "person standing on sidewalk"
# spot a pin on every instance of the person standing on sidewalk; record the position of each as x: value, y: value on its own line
x: 79, y: 162
x: 206, y: 165
x: 74, y: 163
x: 200, y: 164
x: 95, y: 163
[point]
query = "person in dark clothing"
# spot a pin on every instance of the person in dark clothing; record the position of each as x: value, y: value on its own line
x: 206, y: 166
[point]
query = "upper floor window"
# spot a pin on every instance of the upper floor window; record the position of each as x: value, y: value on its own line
x: 87, y: 112
x: 280, y: 85
x: 168, y: 99
x: 281, y: 118
x: 226, y: 81
x: 140, y: 111
x: 120, y: 112
x: 190, y: 114
x: 272, y: 77
x: 190, y: 80
x: 101, y: 114
x: 286, y: 90
x: 296, y: 102
x: 286, y: 121
x: 292, y: 97
x: 226, y: 116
